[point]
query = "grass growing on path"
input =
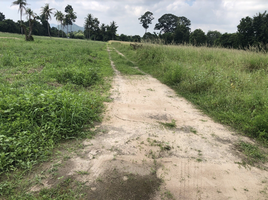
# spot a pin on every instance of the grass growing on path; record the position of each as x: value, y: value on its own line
x: 229, y: 85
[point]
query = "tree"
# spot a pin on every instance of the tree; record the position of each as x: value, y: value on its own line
x: 2, y: 17
x: 198, y: 37
x: 46, y: 11
x: 228, y: 40
x: 112, y: 29
x: 10, y: 26
x: 21, y: 4
x: 88, y: 25
x: 73, y: 17
x: 59, y: 17
x: 167, y: 23
x: 212, y: 36
x: 246, y: 32
x: 260, y: 27
x: 182, y: 34
x: 146, y: 19
x: 31, y: 18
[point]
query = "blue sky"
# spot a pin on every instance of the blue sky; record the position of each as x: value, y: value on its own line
x: 221, y: 15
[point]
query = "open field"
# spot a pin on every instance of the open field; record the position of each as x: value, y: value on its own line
x: 50, y: 89
x: 229, y: 85
x: 66, y: 135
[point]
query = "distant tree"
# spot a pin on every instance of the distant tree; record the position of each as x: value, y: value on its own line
x: 22, y: 7
x: 246, y: 32
x: 229, y: 40
x: 198, y: 37
x: 89, y: 23
x: 46, y: 11
x: 112, y: 29
x: 59, y: 17
x: 167, y: 23
x: 146, y: 19
x: 260, y: 26
x: 2, y: 17
x: 68, y: 18
x: 31, y: 16
x: 73, y: 17
x: 212, y: 36
x: 182, y: 34
x: 10, y: 26
x: 136, y: 38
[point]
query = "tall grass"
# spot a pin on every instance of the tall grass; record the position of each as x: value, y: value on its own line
x: 229, y: 85
x: 50, y: 90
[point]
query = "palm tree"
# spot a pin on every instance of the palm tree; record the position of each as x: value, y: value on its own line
x: 30, y: 14
x: 72, y: 18
x: 22, y: 4
x: 46, y: 11
x: 59, y: 17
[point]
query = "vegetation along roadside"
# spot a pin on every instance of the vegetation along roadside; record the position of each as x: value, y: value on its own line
x: 50, y: 90
x: 229, y: 85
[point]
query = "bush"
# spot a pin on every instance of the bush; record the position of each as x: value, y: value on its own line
x: 31, y: 123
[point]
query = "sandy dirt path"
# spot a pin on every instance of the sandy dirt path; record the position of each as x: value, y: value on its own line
x: 134, y: 156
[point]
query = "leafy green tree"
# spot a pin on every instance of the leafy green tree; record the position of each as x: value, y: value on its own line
x: 112, y: 29
x: 10, y: 26
x: 246, y: 32
x: 198, y: 37
x: 146, y: 19
x: 260, y: 26
x: 229, y: 40
x: 73, y: 17
x: 2, y: 17
x: 22, y: 7
x: 182, y: 34
x: 212, y: 36
x: 167, y: 23
x: 46, y: 11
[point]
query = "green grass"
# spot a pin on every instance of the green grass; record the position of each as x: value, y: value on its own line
x: 253, y: 154
x: 50, y: 89
x: 122, y: 64
x: 229, y: 85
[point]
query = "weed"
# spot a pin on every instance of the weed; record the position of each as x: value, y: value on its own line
x: 82, y: 172
x: 170, y: 125
x: 252, y: 153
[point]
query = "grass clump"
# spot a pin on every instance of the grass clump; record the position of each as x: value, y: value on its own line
x: 169, y: 125
x: 253, y: 154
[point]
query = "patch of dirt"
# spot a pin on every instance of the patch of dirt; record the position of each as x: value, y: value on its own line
x: 10, y: 38
x: 135, y: 157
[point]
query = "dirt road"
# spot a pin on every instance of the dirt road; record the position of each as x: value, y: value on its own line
x: 154, y: 144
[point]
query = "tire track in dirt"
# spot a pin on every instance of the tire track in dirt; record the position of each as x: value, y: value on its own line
x: 133, y: 150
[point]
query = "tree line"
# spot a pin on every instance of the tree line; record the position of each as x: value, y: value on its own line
x: 173, y: 29
x: 39, y: 24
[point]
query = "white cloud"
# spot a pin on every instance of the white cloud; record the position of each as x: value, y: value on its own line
x: 222, y: 15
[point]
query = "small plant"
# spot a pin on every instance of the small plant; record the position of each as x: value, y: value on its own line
x: 82, y: 172
x: 169, y: 125
x: 252, y: 152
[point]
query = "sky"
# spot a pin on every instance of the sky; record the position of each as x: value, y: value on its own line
x: 221, y: 15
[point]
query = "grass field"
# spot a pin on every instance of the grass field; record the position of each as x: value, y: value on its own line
x: 50, y: 89
x: 229, y: 85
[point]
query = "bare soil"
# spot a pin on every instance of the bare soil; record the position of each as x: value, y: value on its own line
x: 138, y: 155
